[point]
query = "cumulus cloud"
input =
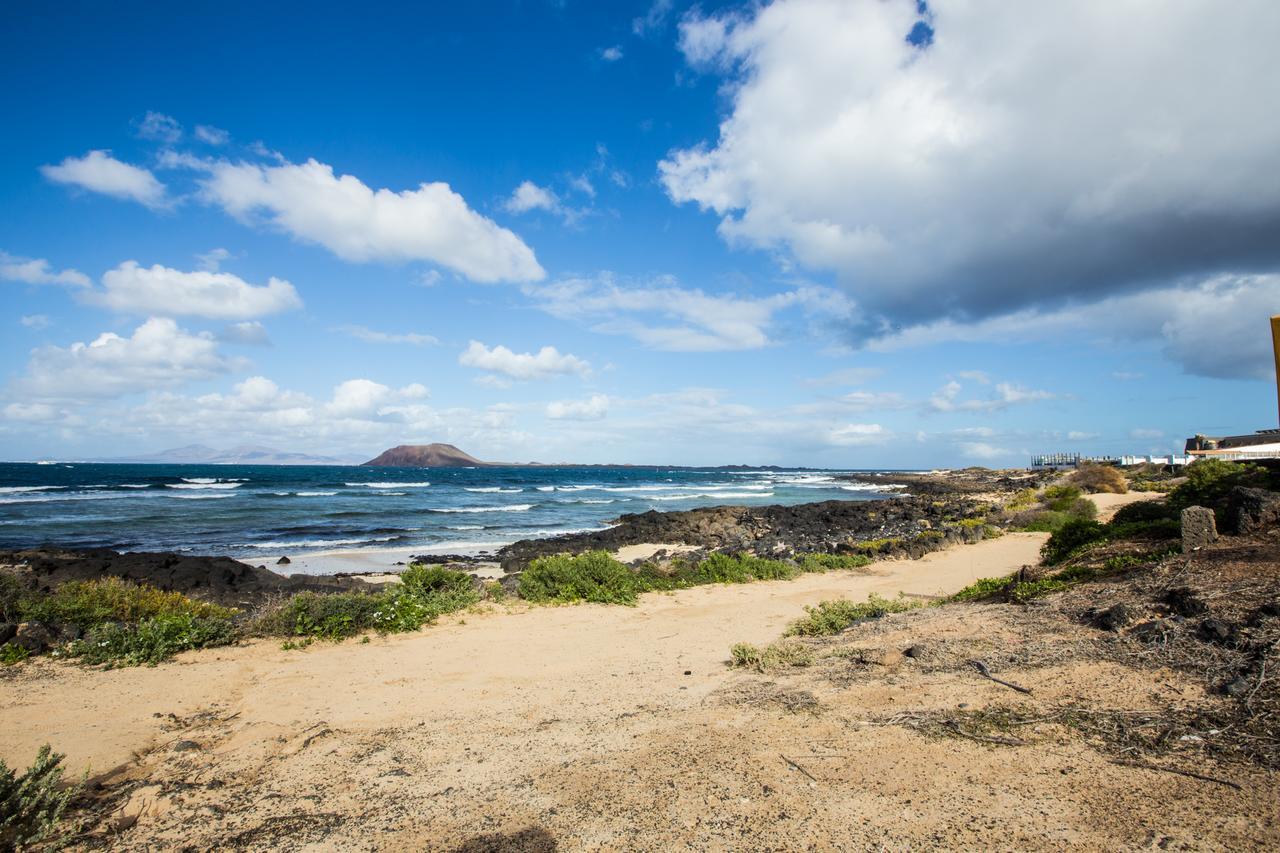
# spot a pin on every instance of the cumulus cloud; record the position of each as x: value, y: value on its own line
x: 372, y: 336
x: 663, y: 316
x: 357, y: 223
x: 853, y: 435
x: 158, y: 354
x: 249, y: 332
x: 212, y: 135
x: 593, y: 408
x: 529, y: 196
x: 947, y: 398
x: 1215, y: 327
x: 38, y: 271
x: 992, y: 170
x: 612, y: 53
x: 135, y: 289
x: 544, y: 364
x: 99, y: 172
x: 160, y: 127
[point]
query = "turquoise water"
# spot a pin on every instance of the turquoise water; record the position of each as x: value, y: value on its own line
x: 255, y: 510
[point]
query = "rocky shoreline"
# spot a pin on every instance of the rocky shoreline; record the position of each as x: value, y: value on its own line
x: 904, y: 527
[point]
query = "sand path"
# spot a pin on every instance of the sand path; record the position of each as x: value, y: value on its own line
x: 525, y: 663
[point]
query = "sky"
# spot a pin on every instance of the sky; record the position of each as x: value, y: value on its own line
x: 867, y: 233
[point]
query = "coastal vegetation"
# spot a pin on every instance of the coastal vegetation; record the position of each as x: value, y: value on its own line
x: 32, y: 802
x: 1094, y: 478
x: 597, y: 576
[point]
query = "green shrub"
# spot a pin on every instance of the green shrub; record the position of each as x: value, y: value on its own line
x: 93, y: 602
x: 772, y: 656
x: 1070, y: 537
x: 743, y: 568
x: 1210, y: 480
x: 1024, y: 499
x: 1143, y: 512
x: 833, y: 616
x: 31, y: 805
x: 817, y: 563
x: 1060, y: 498
x: 11, y: 654
x: 12, y: 595
x: 1093, y: 477
x: 980, y: 589
x: 594, y: 576
x: 151, y: 640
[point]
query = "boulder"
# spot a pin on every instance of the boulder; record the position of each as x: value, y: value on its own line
x: 1199, y: 528
x: 1252, y: 510
x: 1213, y: 630
x: 7, y: 630
x: 35, y: 637
x: 283, y: 561
x: 1183, y: 601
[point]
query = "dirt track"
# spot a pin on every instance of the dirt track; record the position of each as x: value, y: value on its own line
x: 578, y: 728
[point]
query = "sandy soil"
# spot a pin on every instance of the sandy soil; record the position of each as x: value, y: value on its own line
x: 646, y: 550
x: 1108, y: 504
x: 593, y: 727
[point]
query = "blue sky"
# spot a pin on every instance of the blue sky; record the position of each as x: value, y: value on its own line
x: 649, y: 232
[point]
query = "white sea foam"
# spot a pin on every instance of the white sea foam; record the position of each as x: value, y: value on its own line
x: 546, y: 488
x: 314, y: 543
x: 315, y: 494
x: 134, y: 486
x: 390, y: 485
x: 203, y: 496
x: 492, y: 490
x: 464, y: 527
x: 10, y: 490
x: 213, y: 484
x: 871, y: 487
x: 511, y: 508
x: 695, y: 495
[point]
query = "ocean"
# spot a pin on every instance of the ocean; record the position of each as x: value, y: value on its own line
x: 255, y: 511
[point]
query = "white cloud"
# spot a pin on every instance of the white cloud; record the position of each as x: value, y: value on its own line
x: 1146, y: 433
x: 131, y: 288
x: 160, y: 127
x: 846, y: 376
x: 30, y: 412
x: 158, y: 354
x: 663, y: 316
x: 593, y: 408
x: 947, y: 398
x: 544, y: 364
x: 653, y: 19
x: 35, y: 321
x: 249, y: 332
x: 529, y: 196
x: 358, y: 397
x: 991, y: 170
x: 212, y: 135
x: 99, y: 172
x: 431, y: 223
x: 984, y: 450
x: 372, y: 336
x: 854, y: 435
x: 212, y: 260
x: 1214, y: 327
x: 38, y: 271
x: 1077, y: 435
x: 611, y: 54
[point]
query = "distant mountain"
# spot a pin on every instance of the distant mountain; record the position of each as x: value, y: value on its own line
x: 425, y: 456
x: 245, y: 454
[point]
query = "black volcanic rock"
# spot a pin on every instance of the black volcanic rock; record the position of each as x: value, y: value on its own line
x: 776, y: 531
x: 220, y: 580
x: 424, y: 456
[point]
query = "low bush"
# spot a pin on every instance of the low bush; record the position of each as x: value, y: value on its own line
x: 980, y: 589
x: 32, y: 804
x: 152, y: 639
x: 772, y: 656
x: 1143, y: 512
x: 594, y: 576
x: 743, y: 568
x: 1092, y: 477
x: 94, y: 602
x: 1210, y: 480
x: 11, y: 654
x: 833, y: 616
x: 1071, y: 536
x: 12, y: 595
